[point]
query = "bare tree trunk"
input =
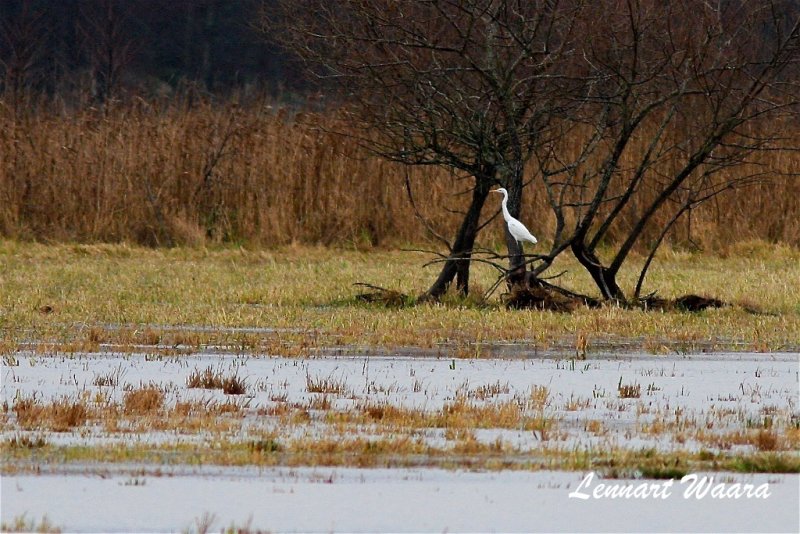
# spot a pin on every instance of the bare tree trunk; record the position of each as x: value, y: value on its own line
x: 22, y: 38
x: 516, y: 261
x: 457, y: 265
x: 109, y: 46
x: 603, y: 277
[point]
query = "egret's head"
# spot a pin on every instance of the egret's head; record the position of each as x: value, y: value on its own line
x: 500, y: 190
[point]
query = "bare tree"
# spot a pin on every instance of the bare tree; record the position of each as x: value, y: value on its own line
x: 109, y: 47
x: 627, y: 113
x: 684, y: 94
x: 22, y: 38
x: 468, y: 85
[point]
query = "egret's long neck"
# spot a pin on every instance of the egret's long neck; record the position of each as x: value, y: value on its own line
x: 506, y: 215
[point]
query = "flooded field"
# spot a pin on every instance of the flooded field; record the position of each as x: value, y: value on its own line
x: 520, y: 406
x: 378, y: 500
x: 310, y: 443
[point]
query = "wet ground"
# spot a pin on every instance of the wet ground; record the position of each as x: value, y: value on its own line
x: 522, y: 409
x: 378, y: 500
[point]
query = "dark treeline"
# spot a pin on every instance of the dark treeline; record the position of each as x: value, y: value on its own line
x: 108, y: 48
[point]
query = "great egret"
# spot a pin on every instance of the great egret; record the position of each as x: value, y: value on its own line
x: 515, y: 228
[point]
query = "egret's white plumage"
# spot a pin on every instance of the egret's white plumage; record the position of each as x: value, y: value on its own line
x: 515, y: 228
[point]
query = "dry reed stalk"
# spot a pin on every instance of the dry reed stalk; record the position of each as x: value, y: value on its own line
x: 179, y: 173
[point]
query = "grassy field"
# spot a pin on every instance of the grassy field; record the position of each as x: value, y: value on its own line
x: 298, y: 300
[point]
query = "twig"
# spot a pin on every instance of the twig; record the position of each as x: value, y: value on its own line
x: 425, y: 222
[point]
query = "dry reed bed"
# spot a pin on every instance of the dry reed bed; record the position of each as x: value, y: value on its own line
x: 192, y: 173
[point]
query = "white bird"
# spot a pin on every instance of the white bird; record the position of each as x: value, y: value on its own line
x: 515, y: 228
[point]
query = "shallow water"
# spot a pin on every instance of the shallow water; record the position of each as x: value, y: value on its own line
x: 377, y: 500
x: 717, y: 393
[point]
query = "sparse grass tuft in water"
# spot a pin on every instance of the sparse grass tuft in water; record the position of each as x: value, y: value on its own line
x: 23, y: 524
x: 662, y: 472
x: 211, y: 379
x: 629, y: 391
x: 26, y: 442
x: 111, y: 379
x: 59, y: 415
x: 262, y: 446
x: 145, y: 400
x: 327, y: 385
x: 233, y: 385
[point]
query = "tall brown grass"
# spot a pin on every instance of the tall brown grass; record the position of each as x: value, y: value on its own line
x: 194, y: 173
